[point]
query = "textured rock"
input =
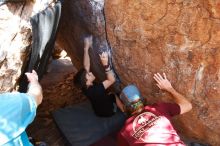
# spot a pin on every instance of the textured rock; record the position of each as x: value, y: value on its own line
x: 180, y: 38
x: 15, y: 39
x: 78, y: 19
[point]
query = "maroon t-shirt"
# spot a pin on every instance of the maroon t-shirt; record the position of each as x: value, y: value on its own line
x: 152, y: 127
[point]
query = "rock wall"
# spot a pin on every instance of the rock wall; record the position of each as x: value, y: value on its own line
x: 78, y: 19
x: 15, y: 39
x: 180, y: 38
x: 15, y: 35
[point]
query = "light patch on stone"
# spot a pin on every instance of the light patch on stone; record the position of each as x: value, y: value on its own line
x: 199, y: 73
x: 145, y: 76
x: 40, y: 5
x: 170, y: 47
x: 198, y: 77
x: 2, y: 55
x: 97, y: 4
x: 187, y: 71
x: 188, y: 44
x: 10, y: 27
x: 172, y: 64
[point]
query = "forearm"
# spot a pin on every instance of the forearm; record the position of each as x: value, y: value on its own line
x: 35, y: 90
x: 185, y: 105
x: 110, y: 76
x: 86, y: 60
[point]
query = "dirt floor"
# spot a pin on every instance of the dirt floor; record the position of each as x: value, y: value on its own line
x: 58, y: 91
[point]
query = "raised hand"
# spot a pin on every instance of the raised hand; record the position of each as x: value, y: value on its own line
x: 104, y: 58
x: 162, y: 82
x: 32, y: 77
x: 182, y: 101
x: 88, y: 42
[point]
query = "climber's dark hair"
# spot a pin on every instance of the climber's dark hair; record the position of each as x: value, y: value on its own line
x: 80, y: 79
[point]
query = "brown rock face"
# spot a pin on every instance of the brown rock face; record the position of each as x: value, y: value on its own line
x: 180, y: 38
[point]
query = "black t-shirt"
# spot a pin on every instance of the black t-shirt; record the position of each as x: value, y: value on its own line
x: 102, y: 103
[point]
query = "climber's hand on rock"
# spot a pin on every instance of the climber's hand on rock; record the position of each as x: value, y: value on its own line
x: 104, y: 58
x: 88, y: 42
x: 162, y: 82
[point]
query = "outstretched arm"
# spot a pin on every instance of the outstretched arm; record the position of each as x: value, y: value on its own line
x: 34, y: 87
x: 86, y: 58
x: 165, y: 84
x: 108, y: 70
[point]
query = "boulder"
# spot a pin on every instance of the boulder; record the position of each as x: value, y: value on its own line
x: 179, y: 38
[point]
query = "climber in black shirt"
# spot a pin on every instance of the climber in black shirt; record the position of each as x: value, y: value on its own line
x: 104, y: 104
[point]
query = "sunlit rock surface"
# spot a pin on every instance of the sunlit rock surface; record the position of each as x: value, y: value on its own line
x: 15, y: 39
x: 180, y: 38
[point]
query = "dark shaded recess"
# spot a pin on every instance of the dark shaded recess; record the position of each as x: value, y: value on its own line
x: 81, y: 23
x: 44, y: 27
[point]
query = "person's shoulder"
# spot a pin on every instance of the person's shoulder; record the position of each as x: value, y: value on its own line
x: 156, y: 105
x: 149, y: 105
x: 166, y: 104
x: 169, y: 107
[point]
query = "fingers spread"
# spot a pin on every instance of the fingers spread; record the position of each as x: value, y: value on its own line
x: 155, y: 78
x: 158, y: 74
